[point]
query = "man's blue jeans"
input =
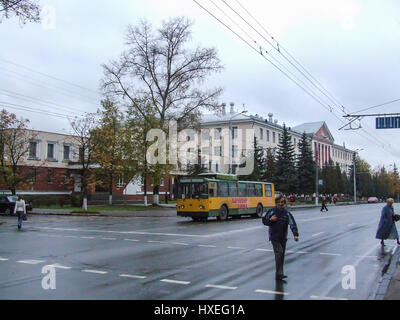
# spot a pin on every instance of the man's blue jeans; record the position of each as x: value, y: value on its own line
x: 20, y: 216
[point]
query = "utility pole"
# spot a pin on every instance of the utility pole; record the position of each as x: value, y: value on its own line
x: 355, y: 174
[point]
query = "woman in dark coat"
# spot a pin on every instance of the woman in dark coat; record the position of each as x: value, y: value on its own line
x: 387, y: 226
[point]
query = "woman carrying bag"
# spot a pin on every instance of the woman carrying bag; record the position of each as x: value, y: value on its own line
x: 20, y: 209
x: 387, y: 227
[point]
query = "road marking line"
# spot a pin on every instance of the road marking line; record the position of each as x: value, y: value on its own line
x: 155, y: 241
x: 70, y: 237
x: 59, y: 266
x: 220, y: 287
x: 375, y: 257
x: 179, y: 243
x: 330, y: 254
x: 31, y: 261
x: 109, y: 238
x: 94, y: 271
x: 302, y: 252
x: 351, y: 224
x: 130, y: 232
x: 88, y: 237
x: 132, y: 276
x: 317, y: 234
x: 394, y: 248
x: 3, y: 259
x: 206, y: 246
x: 175, y: 281
x: 327, y: 298
x: 133, y: 240
x: 236, y: 248
x: 272, y: 292
x: 269, y: 250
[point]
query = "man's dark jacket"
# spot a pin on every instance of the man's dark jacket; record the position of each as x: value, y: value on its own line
x: 278, y: 230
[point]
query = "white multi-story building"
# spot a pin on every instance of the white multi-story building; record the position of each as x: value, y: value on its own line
x: 215, y: 142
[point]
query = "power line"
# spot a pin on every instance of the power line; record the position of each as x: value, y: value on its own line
x: 37, y: 83
x: 50, y: 76
x: 278, y: 48
x: 34, y: 110
x: 379, y: 105
x: 41, y: 101
x: 316, y: 99
x: 258, y: 52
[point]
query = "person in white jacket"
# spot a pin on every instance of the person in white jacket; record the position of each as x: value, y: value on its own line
x: 20, y: 209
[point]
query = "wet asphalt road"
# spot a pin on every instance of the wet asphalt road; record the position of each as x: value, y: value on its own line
x: 175, y: 258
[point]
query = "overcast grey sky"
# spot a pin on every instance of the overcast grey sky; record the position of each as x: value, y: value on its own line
x: 351, y: 47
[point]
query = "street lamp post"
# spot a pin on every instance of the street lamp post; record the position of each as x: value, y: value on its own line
x: 354, y: 175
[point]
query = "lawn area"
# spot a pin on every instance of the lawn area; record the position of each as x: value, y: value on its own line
x: 98, y: 208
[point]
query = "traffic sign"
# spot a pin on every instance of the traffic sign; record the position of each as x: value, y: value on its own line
x: 387, y: 123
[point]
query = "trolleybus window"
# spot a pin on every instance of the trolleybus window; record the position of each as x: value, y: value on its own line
x: 268, y: 190
x: 212, y: 189
x: 251, y: 190
x: 233, y: 192
x: 258, y: 191
x: 223, y: 189
x: 242, y: 190
x: 193, y: 190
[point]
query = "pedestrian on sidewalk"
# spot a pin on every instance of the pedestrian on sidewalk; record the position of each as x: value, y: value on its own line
x: 323, y: 204
x: 387, y: 227
x: 20, y: 210
x: 278, y: 219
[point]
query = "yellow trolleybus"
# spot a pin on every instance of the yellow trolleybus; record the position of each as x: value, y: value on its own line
x: 221, y: 196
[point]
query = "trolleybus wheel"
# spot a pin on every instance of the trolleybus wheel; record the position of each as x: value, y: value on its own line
x: 223, y: 213
x: 259, y: 211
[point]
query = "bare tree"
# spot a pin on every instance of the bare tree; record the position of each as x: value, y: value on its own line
x: 160, y: 77
x: 82, y: 129
x: 26, y: 10
x: 14, y: 145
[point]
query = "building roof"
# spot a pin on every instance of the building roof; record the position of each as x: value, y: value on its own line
x: 309, y: 127
x: 211, y: 119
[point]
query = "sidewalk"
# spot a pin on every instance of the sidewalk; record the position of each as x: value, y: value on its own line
x: 389, y: 288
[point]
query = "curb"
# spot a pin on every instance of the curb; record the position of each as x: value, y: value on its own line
x: 387, y: 274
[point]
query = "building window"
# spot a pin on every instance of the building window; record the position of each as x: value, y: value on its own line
x: 205, y: 151
x: 33, y: 150
x: 50, y: 177
x: 217, y: 133
x: 218, y: 151
x: 273, y: 137
x: 217, y: 167
x: 67, y: 152
x: 234, y: 151
x: 32, y: 175
x: 81, y: 153
x: 234, y: 132
x: 267, y: 135
x: 261, y: 134
x: 120, y: 182
x: 51, y: 151
x: 205, y: 134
